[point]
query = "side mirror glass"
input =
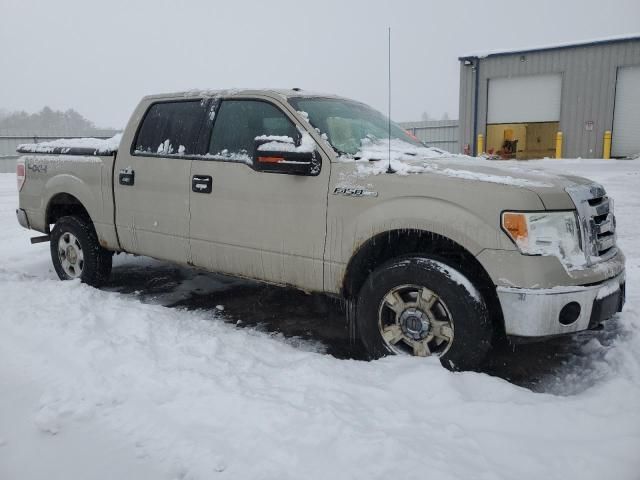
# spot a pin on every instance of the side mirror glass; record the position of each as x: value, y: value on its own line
x: 277, y: 154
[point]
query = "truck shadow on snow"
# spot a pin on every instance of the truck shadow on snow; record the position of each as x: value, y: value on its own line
x: 564, y: 365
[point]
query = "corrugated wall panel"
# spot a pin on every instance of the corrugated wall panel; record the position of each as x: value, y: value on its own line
x: 571, y: 104
x: 465, y: 117
x: 8, y: 164
x: 437, y: 133
x: 8, y: 146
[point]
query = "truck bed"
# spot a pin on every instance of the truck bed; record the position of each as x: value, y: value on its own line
x: 64, y: 173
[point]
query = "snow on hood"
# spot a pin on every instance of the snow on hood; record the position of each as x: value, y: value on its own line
x: 374, y: 149
x: 101, y: 146
x: 408, y: 159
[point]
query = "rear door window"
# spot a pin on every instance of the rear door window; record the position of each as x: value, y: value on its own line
x: 171, y: 128
x: 239, y: 122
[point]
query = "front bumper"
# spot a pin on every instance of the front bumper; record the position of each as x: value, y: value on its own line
x: 22, y: 218
x: 532, y: 312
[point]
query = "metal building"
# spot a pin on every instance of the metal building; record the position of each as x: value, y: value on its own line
x: 513, y: 104
x: 435, y: 133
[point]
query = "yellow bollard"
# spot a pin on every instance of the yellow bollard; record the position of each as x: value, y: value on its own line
x: 559, y: 145
x: 480, y: 149
x: 606, y: 153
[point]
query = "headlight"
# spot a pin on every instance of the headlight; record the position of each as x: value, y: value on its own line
x: 546, y: 233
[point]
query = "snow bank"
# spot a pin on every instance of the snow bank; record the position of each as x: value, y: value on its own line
x: 101, y: 146
x: 89, y: 374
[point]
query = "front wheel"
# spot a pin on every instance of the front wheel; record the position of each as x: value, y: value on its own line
x: 76, y: 252
x: 423, y: 307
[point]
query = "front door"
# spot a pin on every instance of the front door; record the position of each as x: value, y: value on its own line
x: 259, y: 225
x: 152, y: 181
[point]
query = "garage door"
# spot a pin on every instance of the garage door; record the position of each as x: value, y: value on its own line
x: 527, y: 99
x: 626, y: 115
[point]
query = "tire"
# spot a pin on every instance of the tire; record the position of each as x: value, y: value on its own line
x: 422, y: 306
x: 76, y: 252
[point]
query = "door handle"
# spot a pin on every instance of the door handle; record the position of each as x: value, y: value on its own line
x: 201, y: 184
x: 127, y: 177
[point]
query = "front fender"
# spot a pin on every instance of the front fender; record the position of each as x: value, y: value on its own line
x: 431, y: 215
x: 346, y: 235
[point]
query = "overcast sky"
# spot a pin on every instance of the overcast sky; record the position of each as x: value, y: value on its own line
x: 101, y: 57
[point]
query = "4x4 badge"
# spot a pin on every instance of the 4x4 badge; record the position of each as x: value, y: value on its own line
x: 354, y: 192
x: 37, y: 168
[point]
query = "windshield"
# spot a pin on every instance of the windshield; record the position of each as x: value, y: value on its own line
x: 347, y: 123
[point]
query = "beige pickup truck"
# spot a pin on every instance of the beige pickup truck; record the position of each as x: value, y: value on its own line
x: 436, y: 254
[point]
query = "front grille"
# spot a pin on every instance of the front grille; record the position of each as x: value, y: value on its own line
x: 597, y: 221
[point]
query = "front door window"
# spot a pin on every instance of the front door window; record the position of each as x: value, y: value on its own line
x: 239, y: 123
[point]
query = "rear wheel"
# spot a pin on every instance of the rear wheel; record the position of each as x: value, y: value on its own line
x: 76, y: 252
x: 424, y: 307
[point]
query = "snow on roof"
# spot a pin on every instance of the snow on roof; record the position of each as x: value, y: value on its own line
x: 282, y: 92
x: 584, y: 43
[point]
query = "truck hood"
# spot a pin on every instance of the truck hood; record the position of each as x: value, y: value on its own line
x: 550, y: 187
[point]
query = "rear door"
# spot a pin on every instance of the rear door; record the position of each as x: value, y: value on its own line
x: 260, y: 225
x: 152, y: 181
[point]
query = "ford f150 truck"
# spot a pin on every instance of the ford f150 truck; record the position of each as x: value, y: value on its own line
x: 436, y: 254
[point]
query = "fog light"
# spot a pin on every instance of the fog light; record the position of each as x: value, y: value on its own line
x: 569, y: 313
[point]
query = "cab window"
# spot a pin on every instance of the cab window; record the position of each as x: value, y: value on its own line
x: 171, y: 128
x: 239, y: 122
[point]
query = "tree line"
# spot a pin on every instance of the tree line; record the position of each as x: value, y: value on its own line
x: 47, y: 122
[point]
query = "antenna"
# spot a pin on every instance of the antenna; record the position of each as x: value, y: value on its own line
x: 389, y: 169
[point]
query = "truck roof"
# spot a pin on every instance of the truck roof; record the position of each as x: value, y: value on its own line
x: 273, y: 92
x: 96, y: 147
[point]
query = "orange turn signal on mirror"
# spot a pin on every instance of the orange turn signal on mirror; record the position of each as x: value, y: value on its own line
x: 515, y: 224
x: 270, y: 159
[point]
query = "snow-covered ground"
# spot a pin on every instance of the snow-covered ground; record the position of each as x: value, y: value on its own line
x: 96, y: 384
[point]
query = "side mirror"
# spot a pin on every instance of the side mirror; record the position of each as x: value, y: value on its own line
x: 281, y: 155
